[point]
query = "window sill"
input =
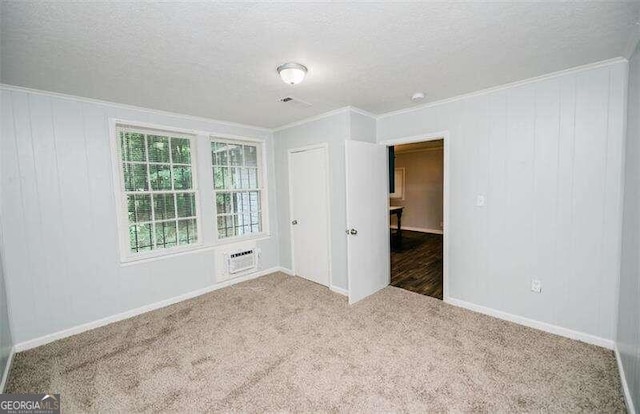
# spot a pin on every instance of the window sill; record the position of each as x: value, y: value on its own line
x: 240, y: 239
x: 197, y: 248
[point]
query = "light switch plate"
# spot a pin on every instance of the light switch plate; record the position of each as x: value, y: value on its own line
x: 480, y: 200
x: 536, y: 285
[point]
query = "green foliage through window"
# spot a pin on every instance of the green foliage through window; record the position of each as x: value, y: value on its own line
x: 159, y: 190
x: 237, y: 187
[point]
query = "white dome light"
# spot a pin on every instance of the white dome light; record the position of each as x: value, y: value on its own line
x: 292, y: 73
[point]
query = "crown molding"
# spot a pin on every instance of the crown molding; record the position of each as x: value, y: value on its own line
x: 362, y: 112
x: 493, y: 89
x: 7, y: 87
x: 325, y: 115
x: 311, y: 119
x: 632, y: 44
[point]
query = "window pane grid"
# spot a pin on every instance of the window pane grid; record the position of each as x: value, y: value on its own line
x: 177, y: 164
x: 237, y: 187
x: 159, y: 193
x: 170, y: 220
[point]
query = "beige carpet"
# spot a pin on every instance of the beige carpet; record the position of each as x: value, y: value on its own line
x: 280, y: 343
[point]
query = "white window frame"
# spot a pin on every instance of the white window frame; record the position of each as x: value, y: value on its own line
x: 262, y: 187
x: 202, y: 176
x: 121, y: 195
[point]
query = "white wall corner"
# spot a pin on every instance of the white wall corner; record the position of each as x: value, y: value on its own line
x: 625, y: 386
x: 632, y: 42
x: 284, y: 270
x: 363, y: 112
x: 7, y: 369
x: 339, y: 290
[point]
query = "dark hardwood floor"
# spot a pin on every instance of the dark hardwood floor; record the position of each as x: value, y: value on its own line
x: 416, y: 262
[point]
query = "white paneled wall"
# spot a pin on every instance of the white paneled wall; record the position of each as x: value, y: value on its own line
x: 547, y: 154
x: 333, y: 130
x: 628, y: 334
x: 59, y: 220
x: 6, y: 340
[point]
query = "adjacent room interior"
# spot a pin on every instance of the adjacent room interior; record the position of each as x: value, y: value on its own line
x: 320, y: 207
x: 416, y: 207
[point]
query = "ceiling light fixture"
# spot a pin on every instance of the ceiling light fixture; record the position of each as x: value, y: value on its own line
x: 292, y: 73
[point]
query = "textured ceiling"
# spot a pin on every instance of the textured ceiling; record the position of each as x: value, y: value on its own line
x: 218, y: 60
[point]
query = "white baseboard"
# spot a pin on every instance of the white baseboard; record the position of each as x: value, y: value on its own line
x: 339, y: 290
x: 625, y: 386
x: 418, y: 229
x: 33, y: 343
x: 284, y: 270
x: 331, y: 287
x: 7, y: 368
x: 532, y: 323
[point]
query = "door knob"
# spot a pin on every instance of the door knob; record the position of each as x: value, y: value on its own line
x: 353, y: 232
x: 294, y: 222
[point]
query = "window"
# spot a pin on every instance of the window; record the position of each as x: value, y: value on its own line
x: 158, y: 189
x: 237, y: 184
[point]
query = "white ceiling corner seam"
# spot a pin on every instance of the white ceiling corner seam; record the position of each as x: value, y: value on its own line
x: 325, y: 115
x: 312, y: 118
x: 15, y: 88
x: 634, y: 40
x: 362, y: 112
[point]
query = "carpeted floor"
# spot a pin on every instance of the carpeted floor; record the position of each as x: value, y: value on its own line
x: 281, y: 343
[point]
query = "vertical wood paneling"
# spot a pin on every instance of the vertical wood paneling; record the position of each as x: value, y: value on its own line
x: 52, y: 227
x: 457, y: 179
x: 553, y: 195
x: 628, y: 323
x: 564, y: 206
x: 76, y: 213
x: 521, y: 150
x: 6, y: 340
x: 612, y: 215
x: 100, y: 194
x: 31, y: 226
x: 17, y: 258
x: 483, y: 171
x: 546, y: 129
x: 497, y: 241
x: 590, y: 154
x: 59, y: 216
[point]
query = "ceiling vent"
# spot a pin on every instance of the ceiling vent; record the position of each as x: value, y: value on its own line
x: 294, y: 102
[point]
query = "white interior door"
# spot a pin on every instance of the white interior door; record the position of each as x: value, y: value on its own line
x: 367, y: 219
x: 309, y: 199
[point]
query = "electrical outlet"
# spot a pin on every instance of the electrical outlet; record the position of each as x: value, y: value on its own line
x: 536, y: 285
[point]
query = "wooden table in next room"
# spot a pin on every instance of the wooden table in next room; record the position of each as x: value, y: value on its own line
x: 397, y: 210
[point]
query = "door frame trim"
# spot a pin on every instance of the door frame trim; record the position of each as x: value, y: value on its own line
x: 325, y: 150
x: 446, y: 200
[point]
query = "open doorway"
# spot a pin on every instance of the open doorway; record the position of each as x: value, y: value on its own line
x: 416, y: 216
